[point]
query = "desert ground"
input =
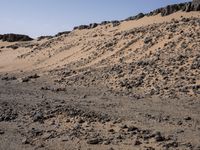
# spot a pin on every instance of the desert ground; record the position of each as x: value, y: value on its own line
x: 135, y: 85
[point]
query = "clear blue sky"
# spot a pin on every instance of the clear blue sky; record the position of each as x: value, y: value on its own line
x: 47, y: 17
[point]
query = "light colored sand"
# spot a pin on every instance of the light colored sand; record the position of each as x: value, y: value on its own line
x: 88, y: 45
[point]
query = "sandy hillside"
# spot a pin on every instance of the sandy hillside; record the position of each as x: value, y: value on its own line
x: 149, y: 50
x: 78, y: 45
x: 135, y: 85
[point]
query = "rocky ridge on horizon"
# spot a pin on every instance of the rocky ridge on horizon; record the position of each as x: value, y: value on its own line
x: 164, y: 11
x: 14, y: 37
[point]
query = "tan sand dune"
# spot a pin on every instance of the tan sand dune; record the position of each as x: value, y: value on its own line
x: 134, y: 85
x: 62, y: 54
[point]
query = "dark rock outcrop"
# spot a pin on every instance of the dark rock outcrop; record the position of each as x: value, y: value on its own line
x: 104, y: 22
x: 196, y: 5
x: 93, y: 25
x: 15, y: 37
x: 115, y: 23
x: 172, y: 9
x: 44, y: 37
x: 187, y: 7
x: 164, y: 11
x: 50, y: 37
x: 139, y: 16
x: 168, y: 10
x: 62, y: 33
x: 81, y: 27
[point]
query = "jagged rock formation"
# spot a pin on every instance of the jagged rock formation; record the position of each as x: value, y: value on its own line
x: 189, y: 6
x: 50, y: 37
x: 44, y: 37
x: 196, y: 5
x: 15, y: 37
x: 62, y: 33
x: 140, y: 15
x: 94, y: 25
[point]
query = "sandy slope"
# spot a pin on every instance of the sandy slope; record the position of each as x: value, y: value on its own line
x: 77, y: 46
x: 153, y: 40
x: 134, y: 86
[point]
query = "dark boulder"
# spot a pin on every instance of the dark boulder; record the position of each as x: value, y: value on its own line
x: 172, y: 9
x: 81, y: 27
x: 155, y: 12
x: 93, y: 25
x: 75, y: 28
x: 62, y: 33
x: 90, y: 26
x: 196, y: 63
x: 15, y: 37
x: 94, y: 141
x: 147, y: 40
x: 44, y: 37
x: 13, y: 47
x: 38, y: 117
x: 196, y: 5
x: 139, y: 16
x: 104, y: 22
x: 115, y: 23
x: 187, y: 7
